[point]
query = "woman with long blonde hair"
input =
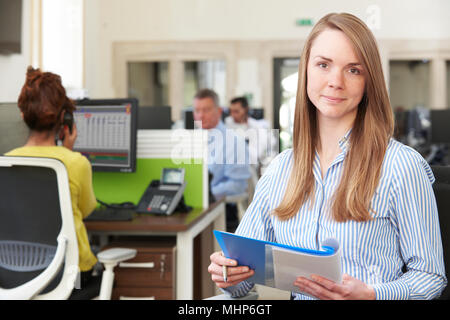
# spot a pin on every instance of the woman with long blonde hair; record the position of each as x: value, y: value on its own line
x: 347, y: 178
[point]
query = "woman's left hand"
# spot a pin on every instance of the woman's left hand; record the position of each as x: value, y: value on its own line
x: 324, y: 289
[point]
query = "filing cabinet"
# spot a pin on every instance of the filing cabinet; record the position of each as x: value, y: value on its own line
x: 150, y: 275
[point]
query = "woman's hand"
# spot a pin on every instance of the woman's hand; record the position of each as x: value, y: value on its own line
x: 69, y: 138
x: 235, y: 274
x: 324, y: 289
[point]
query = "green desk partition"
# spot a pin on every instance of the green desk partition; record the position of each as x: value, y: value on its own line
x: 116, y: 187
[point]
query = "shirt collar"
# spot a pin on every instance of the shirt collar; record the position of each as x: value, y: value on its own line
x: 344, y: 141
x: 343, y: 144
x: 220, y: 126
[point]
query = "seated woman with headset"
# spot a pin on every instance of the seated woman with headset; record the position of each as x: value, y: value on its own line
x: 48, y: 113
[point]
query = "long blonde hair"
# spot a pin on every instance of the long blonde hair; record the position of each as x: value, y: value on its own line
x: 372, y: 129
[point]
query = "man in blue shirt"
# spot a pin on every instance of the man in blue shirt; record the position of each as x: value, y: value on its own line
x: 228, y: 159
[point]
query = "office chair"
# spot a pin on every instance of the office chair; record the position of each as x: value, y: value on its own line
x: 441, y: 189
x: 244, y: 199
x: 38, y: 244
x: 241, y: 202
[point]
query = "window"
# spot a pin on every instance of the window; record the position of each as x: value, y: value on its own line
x: 62, y: 41
x: 285, y: 91
x: 149, y: 83
x: 209, y: 74
x: 409, y: 84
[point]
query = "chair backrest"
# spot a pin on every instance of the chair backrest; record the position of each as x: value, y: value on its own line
x: 442, y: 192
x: 37, y: 233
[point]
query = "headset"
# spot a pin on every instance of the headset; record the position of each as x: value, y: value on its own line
x: 67, y: 121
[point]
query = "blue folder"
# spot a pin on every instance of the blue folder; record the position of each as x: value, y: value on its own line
x: 252, y: 253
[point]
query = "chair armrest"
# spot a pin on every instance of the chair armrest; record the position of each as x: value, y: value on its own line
x: 250, y: 296
x: 116, y: 255
x: 110, y: 258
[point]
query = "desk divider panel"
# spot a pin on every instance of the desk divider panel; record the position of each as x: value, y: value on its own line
x: 158, y: 149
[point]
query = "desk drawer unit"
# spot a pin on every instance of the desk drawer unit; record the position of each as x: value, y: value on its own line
x: 150, y: 275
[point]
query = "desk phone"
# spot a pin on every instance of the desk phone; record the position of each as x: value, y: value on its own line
x: 162, y: 196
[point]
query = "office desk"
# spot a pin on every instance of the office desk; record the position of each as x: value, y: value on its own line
x: 185, y: 226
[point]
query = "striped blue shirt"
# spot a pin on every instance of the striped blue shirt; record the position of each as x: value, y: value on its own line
x: 404, y: 229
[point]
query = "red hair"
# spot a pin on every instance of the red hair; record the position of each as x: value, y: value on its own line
x: 43, y: 99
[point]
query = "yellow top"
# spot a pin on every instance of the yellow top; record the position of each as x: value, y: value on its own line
x: 81, y: 192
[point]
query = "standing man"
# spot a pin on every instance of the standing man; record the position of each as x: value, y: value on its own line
x: 265, y: 148
x: 228, y: 153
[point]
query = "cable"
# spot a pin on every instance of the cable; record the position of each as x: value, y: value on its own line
x: 123, y: 205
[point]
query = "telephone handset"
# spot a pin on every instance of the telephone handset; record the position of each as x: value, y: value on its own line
x: 162, y: 196
x: 67, y: 121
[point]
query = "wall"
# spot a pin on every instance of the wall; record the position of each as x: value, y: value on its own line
x: 256, y: 19
x: 249, y: 24
x: 111, y: 21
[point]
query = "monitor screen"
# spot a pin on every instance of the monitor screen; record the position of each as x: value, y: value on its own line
x: 155, y: 117
x: 256, y: 113
x: 440, y: 128
x: 188, y: 118
x: 172, y: 176
x: 107, y: 133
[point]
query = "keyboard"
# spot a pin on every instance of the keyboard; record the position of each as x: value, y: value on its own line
x: 110, y: 214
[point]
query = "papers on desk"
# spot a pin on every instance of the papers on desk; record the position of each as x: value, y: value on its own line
x: 277, y: 265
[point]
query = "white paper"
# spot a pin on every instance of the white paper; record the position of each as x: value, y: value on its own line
x: 289, y: 264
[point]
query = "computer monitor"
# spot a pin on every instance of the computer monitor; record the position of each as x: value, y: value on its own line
x: 440, y: 126
x: 256, y: 113
x: 225, y: 113
x: 155, y: 117
x: 107, y: 131
x: 188, y: 118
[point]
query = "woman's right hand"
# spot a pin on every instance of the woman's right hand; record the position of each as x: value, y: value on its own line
x: 235, y: 273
